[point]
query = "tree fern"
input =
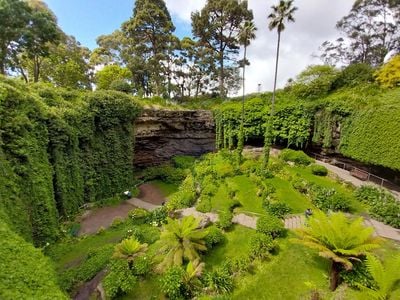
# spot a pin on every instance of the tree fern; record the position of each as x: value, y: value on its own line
x: 338, y: 239
x: 386, y: 277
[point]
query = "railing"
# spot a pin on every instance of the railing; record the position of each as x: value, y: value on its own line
x: 369, y: 176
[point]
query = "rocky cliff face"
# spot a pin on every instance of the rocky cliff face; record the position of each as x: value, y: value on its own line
x: 162, y: 134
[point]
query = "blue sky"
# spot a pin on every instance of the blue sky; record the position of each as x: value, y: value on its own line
x: 87, y: 19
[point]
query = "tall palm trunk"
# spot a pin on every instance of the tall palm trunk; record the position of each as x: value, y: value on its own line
x: 276, y: 76
x: 241, y: 136
x: 334, y: 275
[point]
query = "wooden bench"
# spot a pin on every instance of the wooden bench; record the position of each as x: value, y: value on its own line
x: 360, y: 174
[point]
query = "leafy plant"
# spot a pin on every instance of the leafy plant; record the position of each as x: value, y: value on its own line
x: 338, y: 239
x: 214, y: 237
x: 386, y: 277
x: 319, y: 170
x: 298, y: 157
x: 225, y: 219
x: 219, y: 280
x: 270, y: 225
x: 119, y: 280
x: 261, y: 246
x: 181, y: 240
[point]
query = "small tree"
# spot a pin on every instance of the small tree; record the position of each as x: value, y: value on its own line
x: 338, y: 239
x: 129, y: 249
x: 388, y: 75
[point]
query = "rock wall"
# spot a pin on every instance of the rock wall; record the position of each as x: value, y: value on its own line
x: 162, y: 134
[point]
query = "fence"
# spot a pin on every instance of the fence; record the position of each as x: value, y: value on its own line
x: 359, y: 173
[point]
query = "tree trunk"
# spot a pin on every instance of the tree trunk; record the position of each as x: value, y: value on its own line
x: 334, y: 275
x: 221, y: 76
x: 3, y: 60
x: 276, y: 75
x: 36, y: 69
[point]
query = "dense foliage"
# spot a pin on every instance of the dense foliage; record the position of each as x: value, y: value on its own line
x: 58, y: 150
x: 25, y: 272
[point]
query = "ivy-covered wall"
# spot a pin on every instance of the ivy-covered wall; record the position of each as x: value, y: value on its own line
x: 58, y: 150
x: 362, y: 123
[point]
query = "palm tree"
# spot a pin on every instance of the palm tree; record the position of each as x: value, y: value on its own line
x: 247, y: 33
x: 280, y: 14
x: 385, y: 276
x: 192, y: 273
x: 129, y: 249
x: 338, y: 239
x: 181, y: 240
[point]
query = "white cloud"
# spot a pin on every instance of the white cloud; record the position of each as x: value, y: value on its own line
x: 315, y: 23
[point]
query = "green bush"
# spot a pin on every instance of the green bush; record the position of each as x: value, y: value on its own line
x: 214, y: 237
x: 165, y: 173
x: 270, y: 225
x: 328, y: 199
x: 384, y: 206
x: 157, y: 217
x: 219, y: 280
x: 319, y: 170
x: 185, y: 196
x: 357, y: 275
x: 298, y: 157
x: 183, y: 161
x: 301, y: 185
x: 121, y: 85
x: 141, y: 266
x: 204, y: 204
x: 144, y: 234
x: 277, y: 209
x: 225, y: 219
x: 119, y: 279
x: 25, y: 272
x: 172, y: 283
x: 238, y: 264
x: 95, y: 261
x: 138, y: 215
x: 261, y: 246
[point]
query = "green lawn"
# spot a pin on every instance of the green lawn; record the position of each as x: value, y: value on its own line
x: 166, y: 188
x: 237, y: 243
x: 326, y: 181
x: 287, y: 194
x: 247, y: 195
x: 71, y: 252
x: 148, y: 289
x: 285, y: 276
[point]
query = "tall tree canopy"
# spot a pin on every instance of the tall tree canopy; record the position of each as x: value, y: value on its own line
x: 217, y: 26
x: 148, y: 34
x: 368, y: 33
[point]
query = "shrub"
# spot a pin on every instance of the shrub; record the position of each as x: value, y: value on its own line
x: 249, y: 166
x: 277, y: 209
x: 238, y: 264
x: 145, y: 234
x: 204, y: 204
x: 165, y: 173
x: 261, y: 246
x: 270, y: 225
x: 225, y: 219
x: 384, y: 206
x: 328, y: 199
x: 157, y: 217
x: 142, y: 265
x: 183, y: 161
x: 95, y: 261
x: 138, y: 215
x: 219, y: 280
x: 172, y: 283
x: 298, y: 157
x: 301, y: 185
x: 121, y: 86
x: 319, y: 170
x: 357, y: 275
x: 209, y: 186
x: 214, y: 236
x: 117, y: 222
x: 119, y: 280
x: 185, y: 196
x: 224, y: 169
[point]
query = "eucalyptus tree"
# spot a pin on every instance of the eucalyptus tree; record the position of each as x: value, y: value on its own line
x: 217, y: 27
x: 148, y: 34
x: 247, y: 33
x: 367, y: 34
x: 281, y: 13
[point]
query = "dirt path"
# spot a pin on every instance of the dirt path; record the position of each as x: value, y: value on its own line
x: 151, y: 193
x: 93, y: 220
x: 150, y: 197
